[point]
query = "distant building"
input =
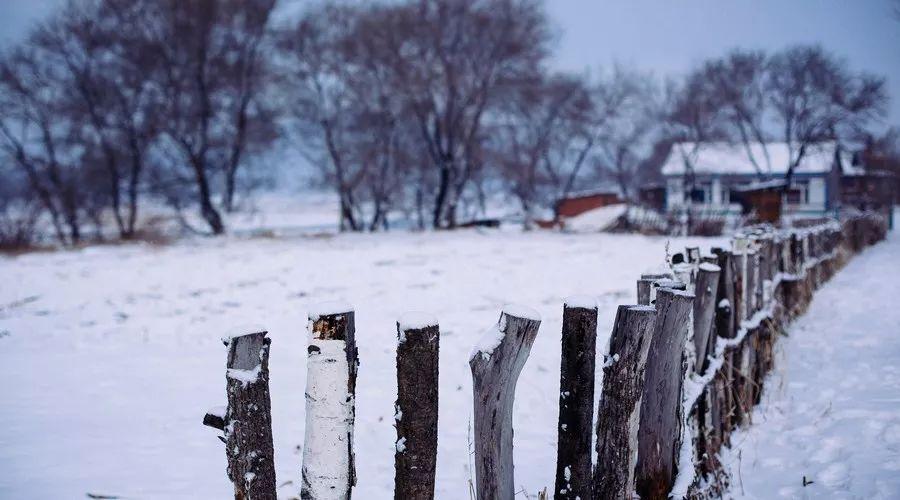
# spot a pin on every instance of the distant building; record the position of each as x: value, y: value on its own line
x: 578, y: 203
x: 723, y: 172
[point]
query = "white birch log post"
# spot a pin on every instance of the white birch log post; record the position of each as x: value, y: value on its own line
x: 618, y: 414
x: 416, y: 409
x: 705, y: 292
x: 496, y: 363
x: 661, y: 407
x: 248, y: 417
x: 332, y: 362
x: 576, y: 399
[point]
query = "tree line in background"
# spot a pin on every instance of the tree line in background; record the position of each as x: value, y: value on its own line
x: 421, y: 110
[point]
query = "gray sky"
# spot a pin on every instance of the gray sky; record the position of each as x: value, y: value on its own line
x: 669, y: 36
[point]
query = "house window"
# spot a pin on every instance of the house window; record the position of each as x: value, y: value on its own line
x: 798, y: 194
x: 702, y: 193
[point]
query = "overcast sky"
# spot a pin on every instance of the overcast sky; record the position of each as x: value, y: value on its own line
x: 669, y: 36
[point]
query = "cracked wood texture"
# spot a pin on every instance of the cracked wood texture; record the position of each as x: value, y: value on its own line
x: 620, y: 403
x: 320, y: 477
x: 705, y: 291
x: 416, y: 412
x: 576, y: 403
x: 660, y: 414
x: 248, y: 418
x: 494, y: 379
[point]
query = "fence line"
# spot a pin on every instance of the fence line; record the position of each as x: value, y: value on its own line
x: 683, y: 369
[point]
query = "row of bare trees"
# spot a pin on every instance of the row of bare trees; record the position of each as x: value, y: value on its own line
x: 112, y: 99
x: 417, y: 110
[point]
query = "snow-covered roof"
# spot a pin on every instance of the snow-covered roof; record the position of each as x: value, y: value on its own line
x: 722, y: 158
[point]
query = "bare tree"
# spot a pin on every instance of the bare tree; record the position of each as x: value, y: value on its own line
x: 36, y: 135
x: 738, y: 83
x: 453, y: 59
x: 816, y: 98
x: 209, y: 78
x: 629, y: 126
x: 530, y: 139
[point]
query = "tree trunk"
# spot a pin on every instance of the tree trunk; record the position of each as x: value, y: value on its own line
x: 248, y: 419
x: 618, y: 414
x: 328, y: 460
x: 416, y: 409
x: 576, y: 399
x: 660, y: 417
x: 496, y: 363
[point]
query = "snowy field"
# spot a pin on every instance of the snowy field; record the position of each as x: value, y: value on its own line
x: 831, y: 410
x: 109, y: 356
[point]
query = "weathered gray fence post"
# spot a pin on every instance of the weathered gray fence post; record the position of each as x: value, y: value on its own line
x: 416, y: 409
x: 661, y: 413
x: 496, y: 363
x: 332, y: 363
x: 705, y: 292
x: 247, y: 421
x: 620, y: 403
x: 576, y: 399
x: 645, y: 286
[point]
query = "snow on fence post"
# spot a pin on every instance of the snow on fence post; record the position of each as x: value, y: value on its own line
x: 646, y: 286
x: 619, y: 409
x: 705, y: 292
x: 496, y: 362
x: 661, y: 405
x: 332, y: 363
x: 720, y: 399
x: 576, y: 398
x: 247, y: 421
x: 416, y: 409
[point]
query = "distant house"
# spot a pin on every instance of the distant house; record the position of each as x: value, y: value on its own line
x: 722, y: 172
x: 578, y: 203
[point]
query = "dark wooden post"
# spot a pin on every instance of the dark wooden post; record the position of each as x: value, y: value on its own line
x: 332, y: 363
x: 620, y: 403
x: 496, y: 363
x: 660, y: 428
x: 705, y: 292
x: 576, y: 399
x: 247, y: 421
x: 416, y: 409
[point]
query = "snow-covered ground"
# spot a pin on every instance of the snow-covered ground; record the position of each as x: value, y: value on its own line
x: 109, y: 356
x: 831, y: 410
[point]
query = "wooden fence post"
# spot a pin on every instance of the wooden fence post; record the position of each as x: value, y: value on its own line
x: 645, y: 292
x: 332, y: 363
x: 620, y: 403
x: 660, y: 428
x: 247, y: 421
x: 576, y: 399
x: 416, y: 409
x: 496, y: 363
x: 705, y: 293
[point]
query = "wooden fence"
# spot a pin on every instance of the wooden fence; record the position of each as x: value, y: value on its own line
x: 683, y: 369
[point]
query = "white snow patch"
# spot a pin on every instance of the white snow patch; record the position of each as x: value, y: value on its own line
x: 329, y: 308
x: 245, y: 377
x: 400, y: 445
x: 521, y: 311
x: 241, y: 330
x: 709, y: 267
x: 581, y: 301
x: 489, y: 340
x: 415, y: 320
x: 596, y: 220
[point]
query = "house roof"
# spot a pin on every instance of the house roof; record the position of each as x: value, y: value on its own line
x: 722, y: 158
